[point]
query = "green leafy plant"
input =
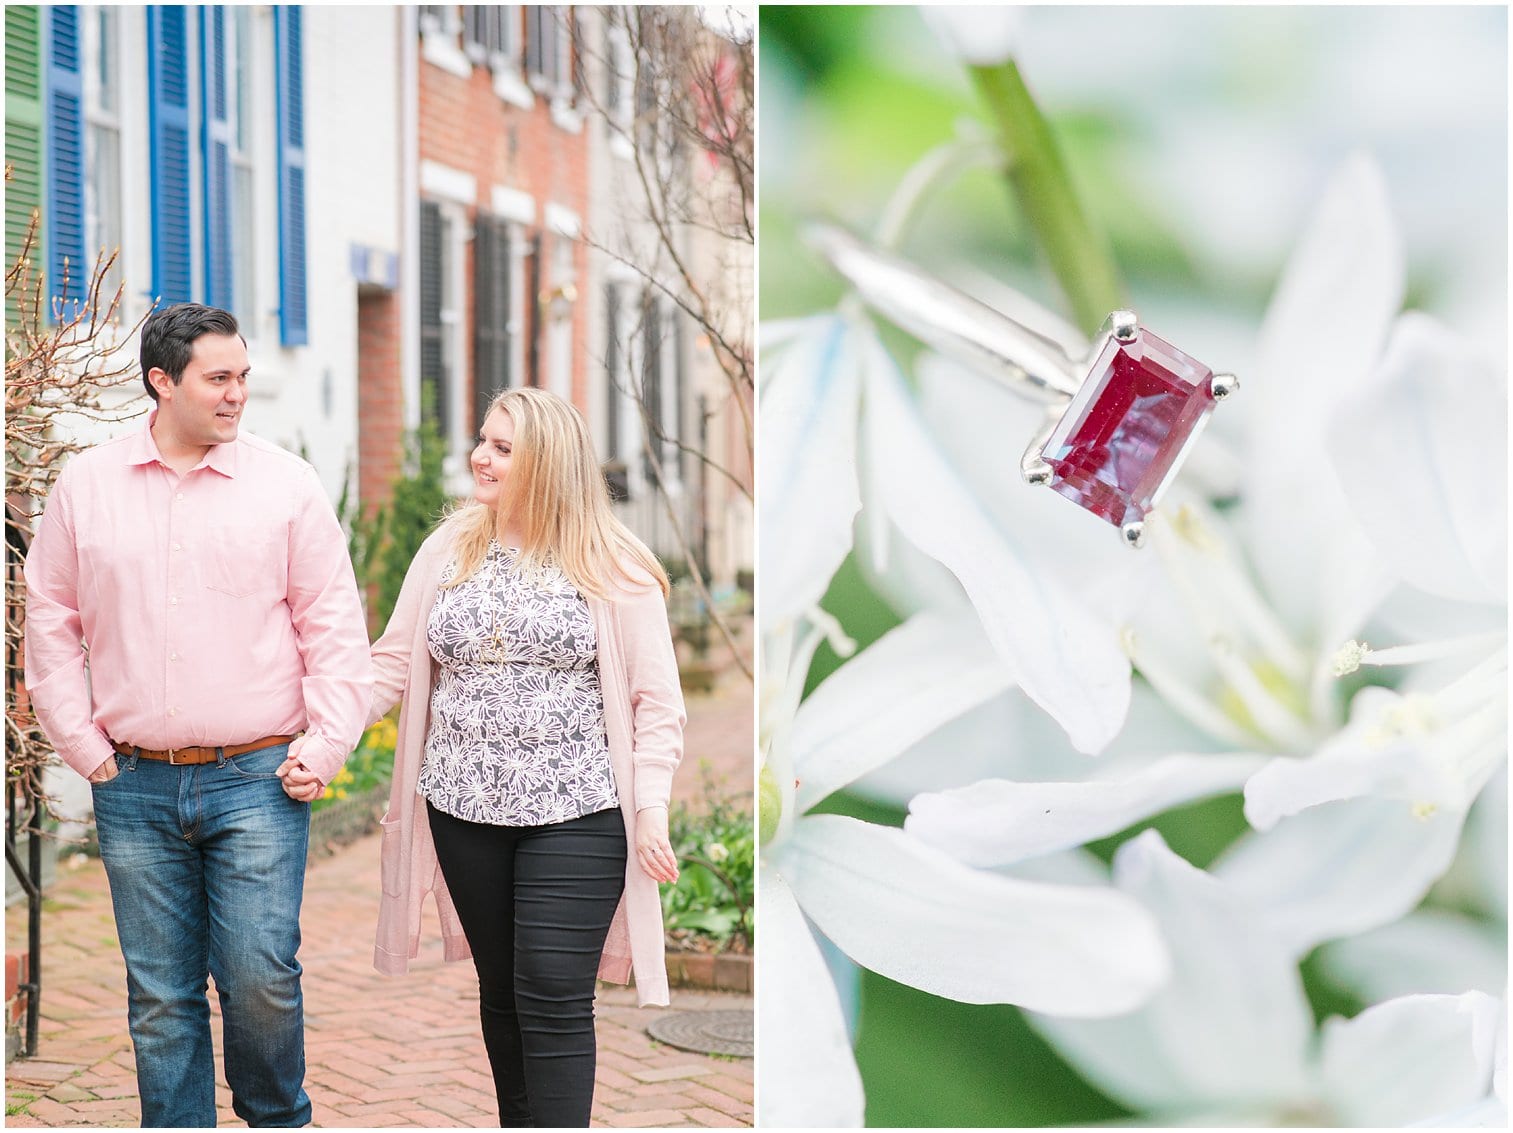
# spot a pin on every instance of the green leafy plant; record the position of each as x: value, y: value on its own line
x: 710, y: 906
x: 382, y: 540
x: 369, y: 766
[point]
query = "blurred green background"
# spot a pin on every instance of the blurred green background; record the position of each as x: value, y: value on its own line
x: 1198, y: 139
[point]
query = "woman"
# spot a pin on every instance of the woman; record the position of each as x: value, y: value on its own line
x: 541, y: 726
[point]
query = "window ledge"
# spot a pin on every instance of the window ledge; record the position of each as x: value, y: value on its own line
x: 566, y: 117
x: 509, y: 87
x: 443, y: 52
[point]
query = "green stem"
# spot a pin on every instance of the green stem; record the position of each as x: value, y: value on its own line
x: 1080, y: 257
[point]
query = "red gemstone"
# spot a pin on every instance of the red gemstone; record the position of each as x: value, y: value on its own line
x: 1122, y: 438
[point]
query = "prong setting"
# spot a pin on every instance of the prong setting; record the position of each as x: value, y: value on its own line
x: 1224, y: 385
x: 1123, y: 325
x: 1133, y: 534
x: 1036, y: 472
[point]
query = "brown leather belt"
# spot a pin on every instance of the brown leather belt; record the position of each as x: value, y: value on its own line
x: 188, y: 756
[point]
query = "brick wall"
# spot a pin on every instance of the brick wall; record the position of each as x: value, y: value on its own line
x: 380, y: 409
x: 465, y: 125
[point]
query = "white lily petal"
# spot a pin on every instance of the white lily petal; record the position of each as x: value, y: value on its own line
x: 1489, y: 1113
x: 809, y: 1076
x: 981, y: 743
x: 1065, y: 659
x: 1410, y: 1058
x: 1487, y: 843
x: 1341, y: 868
x: 1431, y: 951
x: 1422, y: 456
x: 809, y: 491
x: 901, y: 688
x: 998, y: 822
x: 913, y: 914
x: 1008, y: 737
x: 1324, y: 330
x: 774, y: 334
x: 1500, y: 1056
x: 1477, y: 879
x: 1360, y: 760
x: 1231, y: 1030
x: 981, y: 34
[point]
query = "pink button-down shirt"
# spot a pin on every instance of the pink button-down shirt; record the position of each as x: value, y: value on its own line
x: 210, y: 609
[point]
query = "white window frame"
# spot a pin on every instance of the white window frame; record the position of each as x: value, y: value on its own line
x: 507, y: 65
x: 441, y: 41
x: 621, y: 59
x: 457, y: 231
x: 100, y: 232
x: 668, y: 454
x: 243, y: 129
x: 562, y: 264
x: 518, y: 208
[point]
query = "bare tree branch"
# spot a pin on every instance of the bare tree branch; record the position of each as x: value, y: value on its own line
x: 63, y: 366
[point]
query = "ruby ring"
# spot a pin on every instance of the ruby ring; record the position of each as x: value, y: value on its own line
x: 1120, y: 421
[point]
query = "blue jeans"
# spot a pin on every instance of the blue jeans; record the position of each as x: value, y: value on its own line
x: 207, y: 871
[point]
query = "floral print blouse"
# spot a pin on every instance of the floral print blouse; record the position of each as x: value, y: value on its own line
x: 516, y: 736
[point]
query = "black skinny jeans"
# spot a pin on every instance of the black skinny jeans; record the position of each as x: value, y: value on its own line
x: 535, y: 904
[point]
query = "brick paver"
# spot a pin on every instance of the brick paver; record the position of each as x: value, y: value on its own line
x: 381, y: 1052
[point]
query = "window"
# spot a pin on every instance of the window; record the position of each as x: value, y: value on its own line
x: 102, y: 113
x: 561, y: 296
x: 435, y: 360
x: 439, y: 26
x: 619, y: 79
x: 548, y: 49
x: 491, y: 34
x: 293, y: 275
x: 230, y: 222
x: 651, y: 382
x: 239, y: 108
x: 616, y: 380
x: 494, y: 326
x: 24, y: 73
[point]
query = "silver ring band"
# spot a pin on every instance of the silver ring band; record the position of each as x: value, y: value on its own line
x: 951, y: 321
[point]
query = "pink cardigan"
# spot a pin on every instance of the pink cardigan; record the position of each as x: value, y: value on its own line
x: 643, y: 717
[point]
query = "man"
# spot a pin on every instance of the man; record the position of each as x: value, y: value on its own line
x: 190, y: 608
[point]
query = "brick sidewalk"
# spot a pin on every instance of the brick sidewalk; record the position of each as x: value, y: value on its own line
x: 381, y: 1051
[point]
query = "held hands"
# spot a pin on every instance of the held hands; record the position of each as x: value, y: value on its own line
x: 653, y: 850
x: 300, y: 783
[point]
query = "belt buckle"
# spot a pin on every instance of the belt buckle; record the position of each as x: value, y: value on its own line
x: 172, y: 762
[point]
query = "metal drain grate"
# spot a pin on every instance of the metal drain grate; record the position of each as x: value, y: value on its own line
x: 705, y: 1032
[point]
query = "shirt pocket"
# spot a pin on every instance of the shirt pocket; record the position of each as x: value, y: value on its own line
x: 243, y: 564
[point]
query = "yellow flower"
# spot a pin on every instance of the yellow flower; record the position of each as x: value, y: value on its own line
x: 326, y: 794
x: 340, y: 792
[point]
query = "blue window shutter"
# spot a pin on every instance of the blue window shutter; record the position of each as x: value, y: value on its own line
x: 65, y: 162
x: 168, y: 121
x: 215, y: 146
x: 288, y: 39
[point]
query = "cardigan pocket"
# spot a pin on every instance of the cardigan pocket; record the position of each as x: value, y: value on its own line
x: 390, y: 856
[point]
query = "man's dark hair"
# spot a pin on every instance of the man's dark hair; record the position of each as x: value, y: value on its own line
x: 168, y: 338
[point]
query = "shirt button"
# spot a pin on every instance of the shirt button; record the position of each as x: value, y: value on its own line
x: 173, y: 712
x: 173, y: 656
x: 175, y: 546
x: 173, y: 601
x: 179, y: 496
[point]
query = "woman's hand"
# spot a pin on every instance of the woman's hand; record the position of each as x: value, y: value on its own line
x: 653, y: 850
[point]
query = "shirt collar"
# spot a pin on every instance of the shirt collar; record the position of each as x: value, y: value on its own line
x: 144, y: 450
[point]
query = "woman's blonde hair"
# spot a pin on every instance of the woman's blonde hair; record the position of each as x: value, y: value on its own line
x: 557, y: 498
